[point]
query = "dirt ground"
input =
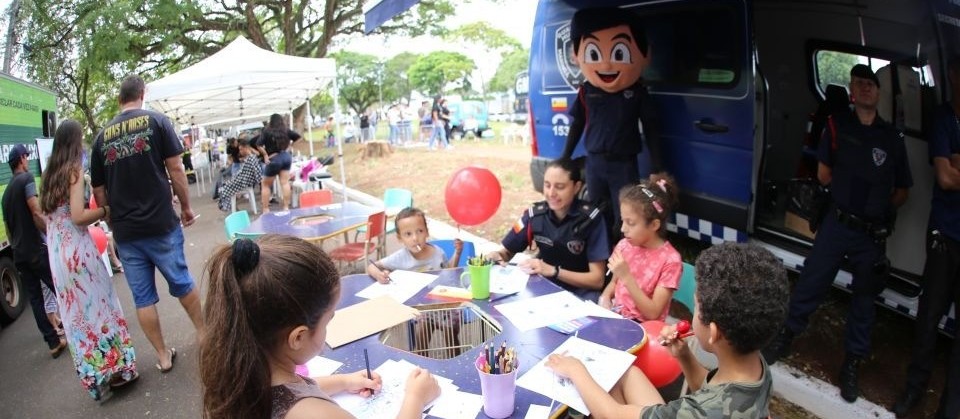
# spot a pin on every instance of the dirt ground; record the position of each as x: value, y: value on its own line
x: 818, y: 352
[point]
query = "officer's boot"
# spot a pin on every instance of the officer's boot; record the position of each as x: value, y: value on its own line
x: 849, y: 388
x: 779, y: 347
x: 911, y: 397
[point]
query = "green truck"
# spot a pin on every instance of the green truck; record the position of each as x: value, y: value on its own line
x: 27, y: 114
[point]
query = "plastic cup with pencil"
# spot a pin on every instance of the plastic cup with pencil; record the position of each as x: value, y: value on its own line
x: 498, y: 379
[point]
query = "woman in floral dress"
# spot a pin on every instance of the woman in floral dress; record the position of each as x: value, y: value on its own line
x: 92, y: 318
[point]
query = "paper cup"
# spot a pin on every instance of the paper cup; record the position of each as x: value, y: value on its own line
x: 499, y: 392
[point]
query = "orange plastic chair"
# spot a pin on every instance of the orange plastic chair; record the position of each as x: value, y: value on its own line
x: 316, y: 198
x: 373, y: 242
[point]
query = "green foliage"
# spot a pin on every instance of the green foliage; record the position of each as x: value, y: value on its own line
x: 439, y: 70
x: 834, y: 67
x: 357, y: 78
x: 513, y: 63
x: 481, y: 33
x: 82, y: 48
x: 396, y: 81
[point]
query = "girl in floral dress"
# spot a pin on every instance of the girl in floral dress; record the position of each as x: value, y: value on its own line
x: 92, y: 318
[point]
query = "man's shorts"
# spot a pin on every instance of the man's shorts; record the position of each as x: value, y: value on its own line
x: 142, y: 257
x: 278, y: 163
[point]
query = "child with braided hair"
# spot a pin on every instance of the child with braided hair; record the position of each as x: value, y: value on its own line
x: 646, y: 268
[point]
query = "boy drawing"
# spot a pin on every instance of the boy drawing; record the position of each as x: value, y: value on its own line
x: 741, y: 299
x: 416, y: 255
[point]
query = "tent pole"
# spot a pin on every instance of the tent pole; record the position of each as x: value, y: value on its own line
x: 336, y: 112
x: 309, y: 128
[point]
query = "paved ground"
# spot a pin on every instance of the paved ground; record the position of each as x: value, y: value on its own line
x: 32, y: 385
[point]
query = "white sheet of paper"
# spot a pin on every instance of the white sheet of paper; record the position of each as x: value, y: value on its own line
x: 456, y: 405
x: 405, y: 284
x: 537, y: 411
x: 606, y: 365
x: 544, y: 310
x: 594, y: 309
x: 386, y: 403
x: 507, y: 279
x: 321, y: 367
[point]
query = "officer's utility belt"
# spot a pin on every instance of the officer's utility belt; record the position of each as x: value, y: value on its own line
x: 855, y: 222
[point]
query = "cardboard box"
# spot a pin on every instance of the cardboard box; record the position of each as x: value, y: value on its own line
x: 794, y: 223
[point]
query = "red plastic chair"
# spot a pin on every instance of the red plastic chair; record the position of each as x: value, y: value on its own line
x: 316, y: 198
x: 373, y: 242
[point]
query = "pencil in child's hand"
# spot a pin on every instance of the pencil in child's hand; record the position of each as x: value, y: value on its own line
x: 366, y: 360
x: 377, y: 265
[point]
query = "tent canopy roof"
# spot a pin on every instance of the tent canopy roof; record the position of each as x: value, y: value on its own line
x: 239, y: 82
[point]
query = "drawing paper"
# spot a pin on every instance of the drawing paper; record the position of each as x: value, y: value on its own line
x: 366, y: 318
x: 544, y: 310
x: 405, y: 284
x: 606, y: 365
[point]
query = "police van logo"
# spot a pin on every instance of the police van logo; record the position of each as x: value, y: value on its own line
x: 575, y: 246
x: 879, y: 156
x: 566, y: 62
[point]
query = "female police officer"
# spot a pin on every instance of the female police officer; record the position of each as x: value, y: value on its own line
x: 569, y: 235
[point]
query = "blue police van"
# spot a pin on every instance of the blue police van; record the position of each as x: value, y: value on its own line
x: 741, y: 86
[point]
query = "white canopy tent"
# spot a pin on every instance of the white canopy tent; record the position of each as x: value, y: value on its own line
x: 243, y: 83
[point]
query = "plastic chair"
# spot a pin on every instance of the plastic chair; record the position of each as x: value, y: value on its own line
x: 251, y: 198
x: 357, y: 251
x: 688, y: 283
x: 235, y: 222
x: 251, y: 236
x: 394, y: 200
x: 684, y: 295
x: 316, y: 198
x: 468, y: 252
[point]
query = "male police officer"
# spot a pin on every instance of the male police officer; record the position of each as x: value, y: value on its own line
x: 864, y: 161
x: 941, y: 275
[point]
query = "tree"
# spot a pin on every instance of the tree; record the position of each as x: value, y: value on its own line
x: 834, y: 67
x: 487, y: 38
x: 357, y: 78
x: 396, y: 81
x: 94, y: 43
x: 483, y: 34
x: 506, y: 76
x: 434, y: 72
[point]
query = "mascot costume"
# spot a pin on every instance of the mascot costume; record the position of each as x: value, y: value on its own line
x: 613, y: 111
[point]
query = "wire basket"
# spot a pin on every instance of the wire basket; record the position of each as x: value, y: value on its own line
x: 442, y: 331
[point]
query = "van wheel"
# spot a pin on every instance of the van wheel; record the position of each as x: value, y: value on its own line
x: 14, y: 298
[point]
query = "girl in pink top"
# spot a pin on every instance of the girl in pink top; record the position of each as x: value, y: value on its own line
x: 646, y: 268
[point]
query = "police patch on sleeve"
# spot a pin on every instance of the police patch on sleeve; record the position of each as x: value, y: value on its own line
x: 518, y: 226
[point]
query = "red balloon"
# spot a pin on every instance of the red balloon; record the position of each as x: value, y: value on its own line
x: 99, y: 237
x: 654, y: 359
x: 93, y: 203
x: 472, y: 195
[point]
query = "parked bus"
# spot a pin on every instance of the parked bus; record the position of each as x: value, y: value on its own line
x: 736, y: 82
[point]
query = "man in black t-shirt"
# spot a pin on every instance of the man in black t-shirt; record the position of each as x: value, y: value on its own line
x: 25, y: 228
x: 135, y: 160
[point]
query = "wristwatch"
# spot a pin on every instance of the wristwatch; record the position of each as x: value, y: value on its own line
x: 556, y: 273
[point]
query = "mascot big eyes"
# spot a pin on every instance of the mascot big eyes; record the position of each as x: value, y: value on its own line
x: 610, y: 50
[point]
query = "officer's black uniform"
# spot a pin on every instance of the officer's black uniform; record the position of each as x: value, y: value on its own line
x: 571, y: 243
x: 615, y: 128
x: 867, y: 163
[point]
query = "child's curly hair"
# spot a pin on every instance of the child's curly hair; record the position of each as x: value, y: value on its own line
x: 654, y: 199
x: 743, y: 289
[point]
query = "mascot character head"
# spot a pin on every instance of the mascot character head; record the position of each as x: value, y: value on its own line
x: 610, y: 47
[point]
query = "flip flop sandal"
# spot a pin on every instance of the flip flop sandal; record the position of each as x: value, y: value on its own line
x: 173, y: 356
